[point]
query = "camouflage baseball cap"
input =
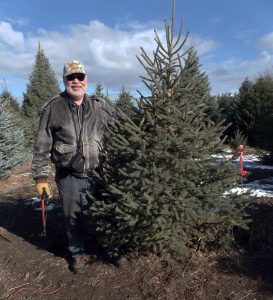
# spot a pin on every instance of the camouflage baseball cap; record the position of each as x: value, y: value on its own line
x: 73, y: 66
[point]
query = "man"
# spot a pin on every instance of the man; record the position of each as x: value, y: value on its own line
x: 69, y: 134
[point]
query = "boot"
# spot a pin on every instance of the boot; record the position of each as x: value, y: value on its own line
x: 77, y: 266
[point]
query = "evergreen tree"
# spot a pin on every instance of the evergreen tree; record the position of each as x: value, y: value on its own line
x: 99, y: 93
x: 125, y: 103
x: 247, y: 110
x: 255, y: 110
x: 12, y: 143
x: 213, y: 110
x: 8, y: 100
x: 162, y: 190
x: 226, y: 110
x: 228, y: 106
x: 42, y: 86
x: 192, y: 71
x: 99, y: 90
x: 12, y: 106
x: 263, y: 131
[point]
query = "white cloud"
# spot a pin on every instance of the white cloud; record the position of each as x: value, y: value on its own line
x: 261, y: 62
x: 11, y: 37
x: 203, y: 45
x: 228, y: 75
x: 109, y: 54
x: 266, y: 42
x: 17, y: 21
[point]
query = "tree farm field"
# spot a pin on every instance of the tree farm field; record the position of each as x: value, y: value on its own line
x: 33, y: 266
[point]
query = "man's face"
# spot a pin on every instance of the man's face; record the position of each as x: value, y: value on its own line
x: 75, y: 85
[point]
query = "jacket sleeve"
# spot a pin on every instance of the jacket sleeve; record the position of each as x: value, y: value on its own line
x: 42, y: 146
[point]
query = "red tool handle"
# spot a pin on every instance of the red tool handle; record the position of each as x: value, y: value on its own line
x: 44, y: 195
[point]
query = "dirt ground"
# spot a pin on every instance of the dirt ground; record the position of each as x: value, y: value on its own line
x: 35, y: 267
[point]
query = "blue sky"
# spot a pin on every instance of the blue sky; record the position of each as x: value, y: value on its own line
x: 234, y: 40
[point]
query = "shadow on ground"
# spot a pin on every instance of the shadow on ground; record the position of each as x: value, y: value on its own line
x: 23, y: 221
x: 254, y: 250
x: 26, y: 222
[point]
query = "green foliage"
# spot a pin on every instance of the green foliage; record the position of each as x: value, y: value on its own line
x: 237, y: 139
x: 99, y: 90
x: 223, y: 107
x: 162, y: 190
x: 42, y: 86
x: 192, y: 73
x: 12, y: 143
x: 255, y: 111
x: 9, y: 101
x: 247, y: 110
x: 125, y: 103
x: 100, y: 94
x: 264, y: 126
x: 213, y: 110
x: 228, y: 106
x: 12, y: 106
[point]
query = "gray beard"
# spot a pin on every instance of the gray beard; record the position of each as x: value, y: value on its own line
x: 74, y: 95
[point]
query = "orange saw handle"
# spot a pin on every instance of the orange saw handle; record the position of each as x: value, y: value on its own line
x: 43, y: 197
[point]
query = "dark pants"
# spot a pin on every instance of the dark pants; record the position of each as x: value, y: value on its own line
x: 73, y: 191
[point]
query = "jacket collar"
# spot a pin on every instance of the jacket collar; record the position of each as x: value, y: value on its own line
x: 85, y: 102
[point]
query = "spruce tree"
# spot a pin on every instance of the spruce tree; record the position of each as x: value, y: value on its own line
x: 162, y: 190
x: 125, y: 103
x: 263, y: 131
x: 12, y: 106
x: 254, y: 111
x: 99, y: 90
x: 12, y: 143
x: 201, y: 82
x: 213, y: 110
x: 226, y: 104
x: 8, y: 100
x: 42, y: 86
x: 247, y: 110
x: 100, y: 94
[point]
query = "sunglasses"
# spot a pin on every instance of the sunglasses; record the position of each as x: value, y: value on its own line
x: 79, y: 76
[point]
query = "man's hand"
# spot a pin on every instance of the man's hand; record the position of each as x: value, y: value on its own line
x: 43, y: 184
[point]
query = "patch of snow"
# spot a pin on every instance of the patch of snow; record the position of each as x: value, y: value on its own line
x: 48, y: 207
x: 32, y: 201
x: 222, y: 156
x: 256, y: 188
x: 265, y: 184
x: 249, y: 158
x: 26, y: 174
x: 252, y: 192
x: 36, y: 202
x: 250, y: 161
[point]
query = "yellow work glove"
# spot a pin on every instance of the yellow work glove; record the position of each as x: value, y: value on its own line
x: 42, y: 184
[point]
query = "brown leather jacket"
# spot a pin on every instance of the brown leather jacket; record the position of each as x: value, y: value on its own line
x: 56, y: 136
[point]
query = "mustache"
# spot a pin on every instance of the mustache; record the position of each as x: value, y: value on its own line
x: 76, y: 85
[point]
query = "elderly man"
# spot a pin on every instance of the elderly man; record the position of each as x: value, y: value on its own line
x: 69, y: 134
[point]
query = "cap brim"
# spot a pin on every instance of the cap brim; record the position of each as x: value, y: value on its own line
x: 74, y: 73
